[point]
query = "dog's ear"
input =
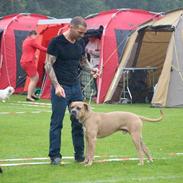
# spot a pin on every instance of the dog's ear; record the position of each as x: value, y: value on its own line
x: 86, y: 107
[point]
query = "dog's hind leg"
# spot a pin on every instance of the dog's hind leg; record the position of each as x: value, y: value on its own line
x: 136, y: 137
x: 146, y: 151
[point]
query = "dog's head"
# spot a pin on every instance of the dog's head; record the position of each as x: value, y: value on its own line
x: 10, y: 90
x: 79, y: 110
x: 5, y: 93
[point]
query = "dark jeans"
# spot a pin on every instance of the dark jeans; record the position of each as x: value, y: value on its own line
x: 59, y: 104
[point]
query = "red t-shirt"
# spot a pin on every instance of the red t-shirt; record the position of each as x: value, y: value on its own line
x: 29, y: 48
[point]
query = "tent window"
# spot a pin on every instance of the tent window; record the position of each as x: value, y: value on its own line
x: 121, y: 39
x: 20, y: 74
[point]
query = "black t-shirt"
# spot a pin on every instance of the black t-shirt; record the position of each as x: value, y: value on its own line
x: 68, y: 56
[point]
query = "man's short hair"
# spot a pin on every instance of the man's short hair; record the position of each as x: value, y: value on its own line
x: 76, y: 21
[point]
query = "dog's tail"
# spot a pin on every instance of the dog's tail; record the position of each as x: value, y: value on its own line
x: 153, y: 119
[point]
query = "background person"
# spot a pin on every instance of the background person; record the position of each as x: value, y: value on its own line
x: 93, y: 50
x: 64, y: 56
x: 28, y: 64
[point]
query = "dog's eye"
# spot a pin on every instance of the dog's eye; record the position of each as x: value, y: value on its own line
x: 78, y: 108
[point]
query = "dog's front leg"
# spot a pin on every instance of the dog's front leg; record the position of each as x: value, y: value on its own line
x: 86, y: 153
x: 90, y: 150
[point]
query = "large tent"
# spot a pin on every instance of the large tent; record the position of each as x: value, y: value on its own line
x: 157, y: 44
x: 118, y: 25
x: 13, y: 30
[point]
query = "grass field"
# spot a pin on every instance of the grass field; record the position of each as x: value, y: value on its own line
x: 24, y: 133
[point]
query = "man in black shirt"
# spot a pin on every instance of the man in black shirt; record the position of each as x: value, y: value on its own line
x: 64, y: 56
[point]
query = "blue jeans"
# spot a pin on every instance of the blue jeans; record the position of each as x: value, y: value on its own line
x: 59, y: 104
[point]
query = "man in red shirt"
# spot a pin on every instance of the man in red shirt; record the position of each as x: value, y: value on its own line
x: 28, y: 64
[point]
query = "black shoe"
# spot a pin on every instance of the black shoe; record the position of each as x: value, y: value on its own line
x: 30, y: 100
x: 55, y: 161
x: 35, y: 98
x: 79, y: 159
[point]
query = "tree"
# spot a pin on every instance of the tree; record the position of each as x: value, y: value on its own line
x: 71, y: 8
x: 158, y: 5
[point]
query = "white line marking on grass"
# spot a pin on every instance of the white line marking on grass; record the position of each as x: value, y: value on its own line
x: 179, y: 154
x: 176, y: 154
x: 130, y: 179
x: 37, y: 104
x: 38, y: 163
x: 23, y: 112
x: 64, y: 157
x: 30, y: 163
x: 29, y: 105
x: 27, y: 159
x: 34, y: 103
x: 22, y: 164
x: 4, y: 113
x: 107, y: 159
x: 125, y: 159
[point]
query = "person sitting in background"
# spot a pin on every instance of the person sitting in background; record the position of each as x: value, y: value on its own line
x: 28, y: 64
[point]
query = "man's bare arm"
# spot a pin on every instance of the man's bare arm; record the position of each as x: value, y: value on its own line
x: 50, y: 60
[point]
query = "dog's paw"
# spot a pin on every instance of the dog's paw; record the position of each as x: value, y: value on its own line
x: 88, y: 164
x: 140, y: 164
x: 150, y: 160
x: 85, y: 161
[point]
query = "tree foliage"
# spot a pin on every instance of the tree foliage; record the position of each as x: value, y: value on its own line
x: 158, y: 5
x: 70, y: 8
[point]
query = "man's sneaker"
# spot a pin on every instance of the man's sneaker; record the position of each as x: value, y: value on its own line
x: 55, y: 161
x: 79, y: 159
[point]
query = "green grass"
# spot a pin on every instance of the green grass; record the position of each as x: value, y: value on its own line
x: 26, y: 135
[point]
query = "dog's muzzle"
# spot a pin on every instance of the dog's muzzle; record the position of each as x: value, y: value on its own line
x: 73, y: 115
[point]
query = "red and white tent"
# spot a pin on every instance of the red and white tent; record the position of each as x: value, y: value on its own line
x: 13, y: 30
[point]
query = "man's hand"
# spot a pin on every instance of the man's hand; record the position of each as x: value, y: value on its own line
x: 95, y: 72
x: 59, y: 91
